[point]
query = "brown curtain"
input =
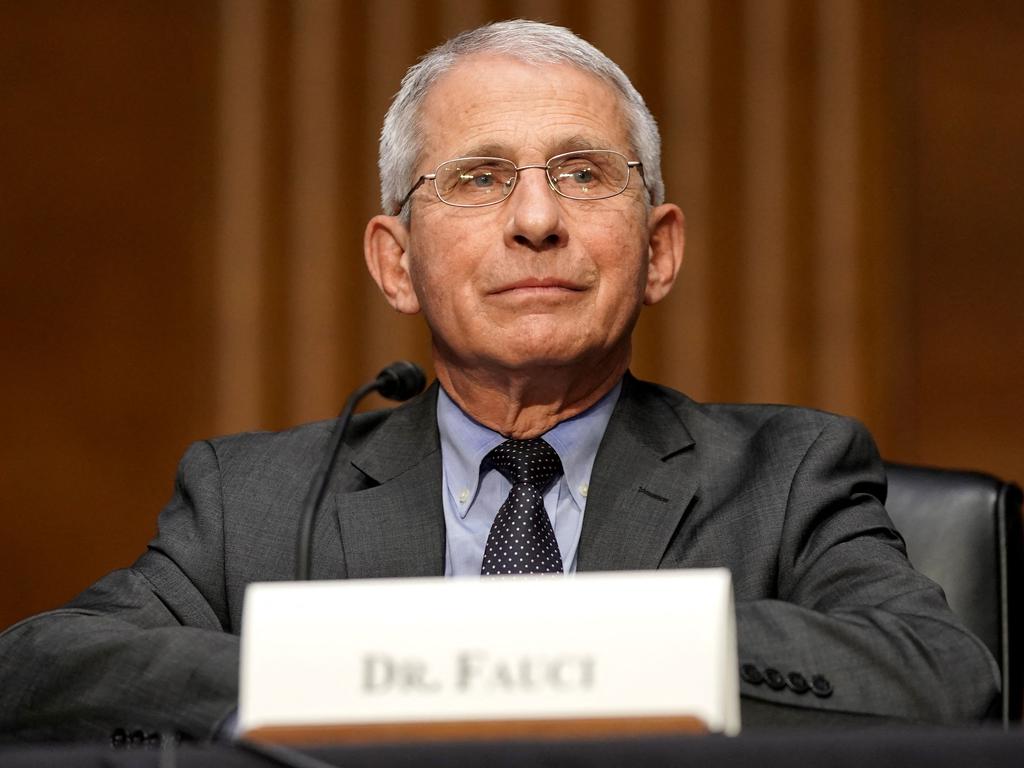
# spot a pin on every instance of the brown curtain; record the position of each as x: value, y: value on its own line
x: 185, y: 186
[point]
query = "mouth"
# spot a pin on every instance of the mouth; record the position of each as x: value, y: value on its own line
x: 538, y: 286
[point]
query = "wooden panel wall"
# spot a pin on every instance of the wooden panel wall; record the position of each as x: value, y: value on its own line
x: 108, y: 140
x: 183, y: 189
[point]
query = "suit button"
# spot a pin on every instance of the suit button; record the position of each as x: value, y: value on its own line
x: 751, y: 674
x: 821, y: 687
x: 797, y: 683
x: 118, y: 738
x: 774, y: 679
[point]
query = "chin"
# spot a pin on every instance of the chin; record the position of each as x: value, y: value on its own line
x: 534, y: 359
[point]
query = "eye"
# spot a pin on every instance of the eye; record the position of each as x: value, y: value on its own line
x: 479, y: 179
x: 583, y: 175
x: 581, y: 171
x: 475, y: 180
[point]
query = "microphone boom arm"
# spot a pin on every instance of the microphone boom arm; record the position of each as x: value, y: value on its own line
x: 399, y: 381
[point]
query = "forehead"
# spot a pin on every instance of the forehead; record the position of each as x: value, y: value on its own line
x: 526, y: 112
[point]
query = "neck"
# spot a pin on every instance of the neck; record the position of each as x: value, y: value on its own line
x: 522, y: 404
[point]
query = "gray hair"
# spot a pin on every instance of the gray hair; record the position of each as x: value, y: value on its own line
x: 528, y: 41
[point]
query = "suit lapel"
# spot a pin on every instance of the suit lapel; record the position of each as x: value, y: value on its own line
x: 394, y: 525
x: 644, y: 479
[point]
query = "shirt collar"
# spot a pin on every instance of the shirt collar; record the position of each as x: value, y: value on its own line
x: 465, y: 443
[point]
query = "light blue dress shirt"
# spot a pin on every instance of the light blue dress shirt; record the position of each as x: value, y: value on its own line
x: 472, y: 497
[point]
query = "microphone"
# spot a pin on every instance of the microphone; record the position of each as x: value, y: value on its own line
x: 399, y: 381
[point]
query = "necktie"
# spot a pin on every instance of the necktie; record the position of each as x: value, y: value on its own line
x: 521, y: 538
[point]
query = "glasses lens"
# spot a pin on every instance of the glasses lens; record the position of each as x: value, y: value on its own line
x: 475, y: 180
x: 589, y: 175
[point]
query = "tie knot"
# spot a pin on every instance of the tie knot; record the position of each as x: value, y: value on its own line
x: 526, y: 461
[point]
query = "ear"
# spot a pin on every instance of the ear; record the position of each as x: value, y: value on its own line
x: 386, y: 249
x: 666, y: 228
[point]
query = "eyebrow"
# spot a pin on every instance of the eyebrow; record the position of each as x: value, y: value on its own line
x: 575, y: 143
x: 578, y: 142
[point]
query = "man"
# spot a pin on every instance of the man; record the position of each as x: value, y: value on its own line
x: 526, y: 222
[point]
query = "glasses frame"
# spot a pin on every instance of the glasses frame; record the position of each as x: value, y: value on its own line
x: 432, y: 177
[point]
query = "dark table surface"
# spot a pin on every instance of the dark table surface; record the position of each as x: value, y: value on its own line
x: 876, y: 748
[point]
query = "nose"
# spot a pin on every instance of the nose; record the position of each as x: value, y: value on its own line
x: 536, y: 220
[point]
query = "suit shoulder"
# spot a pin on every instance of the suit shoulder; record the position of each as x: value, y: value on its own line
x: 744, y: 420
x: 258, y: 451
x: 774, y: 417
x: 299, y: 446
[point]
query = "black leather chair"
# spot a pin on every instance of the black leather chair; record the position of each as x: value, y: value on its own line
x: 963, y: 530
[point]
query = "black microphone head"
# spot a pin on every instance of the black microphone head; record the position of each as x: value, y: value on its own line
x: 401, y: 380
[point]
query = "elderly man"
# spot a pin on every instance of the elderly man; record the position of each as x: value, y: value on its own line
x: 520, y: 171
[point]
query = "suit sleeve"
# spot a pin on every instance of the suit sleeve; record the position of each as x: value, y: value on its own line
x: 145, y: 648
x: 854, y: 628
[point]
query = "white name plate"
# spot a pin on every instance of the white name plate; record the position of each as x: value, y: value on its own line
x: 420, y: 651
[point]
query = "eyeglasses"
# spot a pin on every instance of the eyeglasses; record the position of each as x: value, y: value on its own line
x: 472, y: 182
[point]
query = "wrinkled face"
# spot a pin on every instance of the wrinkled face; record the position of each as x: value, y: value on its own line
x: 538, y: 280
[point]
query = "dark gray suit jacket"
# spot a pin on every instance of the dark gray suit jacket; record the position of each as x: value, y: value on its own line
x: 788, y: 499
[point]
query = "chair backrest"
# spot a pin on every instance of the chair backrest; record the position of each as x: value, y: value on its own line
x: 963, y: 530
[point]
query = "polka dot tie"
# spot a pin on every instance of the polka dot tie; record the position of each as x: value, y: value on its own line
x: 521, y: 538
